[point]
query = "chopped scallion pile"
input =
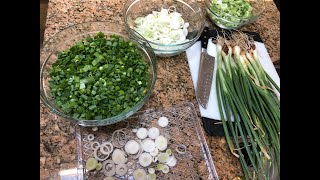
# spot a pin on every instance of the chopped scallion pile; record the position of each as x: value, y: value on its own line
x: 99, y: 77
x: 230, y: 13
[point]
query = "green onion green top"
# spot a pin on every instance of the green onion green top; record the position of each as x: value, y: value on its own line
x: 99, y: 77
x: 237, y: 8
x: 231, y: 13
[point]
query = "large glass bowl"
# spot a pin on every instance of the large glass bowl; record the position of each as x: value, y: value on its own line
x: 68, y: 37
x: 228, y: 21
x: 191, y: 13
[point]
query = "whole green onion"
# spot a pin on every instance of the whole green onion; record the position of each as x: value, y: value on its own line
x: 249, y: 106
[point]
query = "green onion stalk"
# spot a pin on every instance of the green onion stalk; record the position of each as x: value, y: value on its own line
x: 249, y: 106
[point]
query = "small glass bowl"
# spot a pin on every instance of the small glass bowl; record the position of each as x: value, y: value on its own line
x: 68, y: 37
x: 191, y: 13
x: 228, y: 21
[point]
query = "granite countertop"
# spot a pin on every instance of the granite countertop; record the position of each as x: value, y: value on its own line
x: 173, y: 85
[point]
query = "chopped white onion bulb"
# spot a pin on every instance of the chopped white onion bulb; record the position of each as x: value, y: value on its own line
x: 132, y: 147
x: 118, y: 157
x: 148, y: 145
x: 161, y: 143
x: 95, y: 128
x: 145, y: 159
x: 163, y: 121
x: 163, y: 157
x: 158, y: 27
x: 139, y: 174
x: 153, y: 132
x: 151, y: 170
x: 142, y: 133
x: 165, y: 169
x: 172, y: 161
x: 154, y: 152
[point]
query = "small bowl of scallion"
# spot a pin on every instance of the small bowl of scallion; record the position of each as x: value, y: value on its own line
x: 96, y: 74
x: 234, y: 14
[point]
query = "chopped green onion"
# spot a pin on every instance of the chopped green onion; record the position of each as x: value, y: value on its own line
x: 94, y: 79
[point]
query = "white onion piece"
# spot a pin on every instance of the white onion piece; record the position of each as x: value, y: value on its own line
x: 106, y: 170
x: 165, y: 169
x: 153, y: 132
x: 140, y: 149
x: 145, y: 159
x: 163, y: 121
x: 154, y: 152
x: 169, y: 152
x: 139, y: 174
x: 174, y: 23
x: 142, y: 133
x: 151, y: 170
x: 134, y: 130
x: 132, y: 147
x: 148, y: 145
x: 118, y: 157
x: 163, y: 157
x: 186, y: 25
x: 95, y: 128
x: 152, y: 176
x: 121, y: 169
x: 159, y: 167
x: 161, y: 143
x: 172, y: 161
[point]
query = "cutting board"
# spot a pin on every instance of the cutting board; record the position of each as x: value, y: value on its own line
x: 193, y: 57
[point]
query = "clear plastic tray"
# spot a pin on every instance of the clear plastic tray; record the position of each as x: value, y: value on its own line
x: 184, y: 129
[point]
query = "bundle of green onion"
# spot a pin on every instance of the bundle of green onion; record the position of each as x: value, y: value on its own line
x: 249, y: 106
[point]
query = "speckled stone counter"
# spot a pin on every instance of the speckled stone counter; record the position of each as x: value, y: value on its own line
x: 173, y: 85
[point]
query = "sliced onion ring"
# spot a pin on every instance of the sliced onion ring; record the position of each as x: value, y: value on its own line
x: 90, y: 137
x: 95, y: 154
x: 121, y: 169
x: 110, y: 172
x: 118, y: 140
x: 95, y: 143
x: 183, y: 149
x: 107, y: 145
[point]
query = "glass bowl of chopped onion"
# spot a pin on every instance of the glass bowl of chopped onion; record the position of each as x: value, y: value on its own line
x: 234, y: 14
x: 96, y: 74
x: 169, y: 26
